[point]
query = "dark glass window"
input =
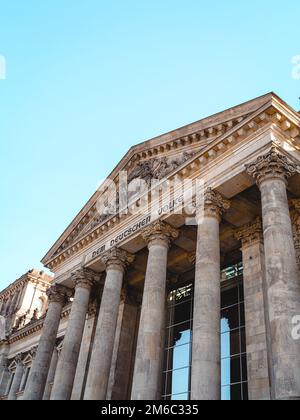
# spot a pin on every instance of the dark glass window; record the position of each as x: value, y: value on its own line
x: 178, y: 342
x: 233, y: 343
x: 176, y: 379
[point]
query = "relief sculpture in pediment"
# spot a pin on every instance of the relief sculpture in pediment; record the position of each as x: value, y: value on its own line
x: 158, y: 168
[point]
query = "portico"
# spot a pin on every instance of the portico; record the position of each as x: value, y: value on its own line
x: 194, y: 301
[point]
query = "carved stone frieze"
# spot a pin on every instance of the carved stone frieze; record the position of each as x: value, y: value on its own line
x: 158, y: 168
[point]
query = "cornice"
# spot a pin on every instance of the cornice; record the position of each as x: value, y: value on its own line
x: 266, y: 116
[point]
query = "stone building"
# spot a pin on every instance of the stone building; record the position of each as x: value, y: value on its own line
x: 182, y: 282
x: 23, y: 305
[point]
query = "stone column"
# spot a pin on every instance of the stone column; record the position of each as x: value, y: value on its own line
x: 255, y: 311
x: 124, y: 347
x: 149, y: 353
x: 271, y: 172
x: 206, y: 353
x: 100, y: 363
x: 15, y: 386
x: 51, y: 375
x: 67, y: 364
x: 85, y: 351
x: 38, y: 375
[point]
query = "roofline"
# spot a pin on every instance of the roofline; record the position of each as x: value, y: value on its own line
x: 166, y: 137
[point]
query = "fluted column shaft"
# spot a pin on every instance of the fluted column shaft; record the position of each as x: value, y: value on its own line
x: 282, y: 277
x: 67, y: 364
x: 100, y: 363
x: 15, y: 386
x: 206, y: 353
x: 149, y: 353
x: 38, y: 375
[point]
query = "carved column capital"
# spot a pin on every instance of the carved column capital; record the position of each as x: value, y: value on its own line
x: 272, y: 165
x: 250, y: 233
x: 117, y: 259
x: 84, y: 278
x: 57, y: 293
x: 213, y: 205
x: 160, y: 232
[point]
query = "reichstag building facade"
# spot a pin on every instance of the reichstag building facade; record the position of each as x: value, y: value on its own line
x: 178, y: 280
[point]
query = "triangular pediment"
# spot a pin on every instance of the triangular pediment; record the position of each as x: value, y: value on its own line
x: 159, y: 157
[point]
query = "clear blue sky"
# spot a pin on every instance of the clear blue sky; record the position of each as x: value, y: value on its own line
x: 86, y: 80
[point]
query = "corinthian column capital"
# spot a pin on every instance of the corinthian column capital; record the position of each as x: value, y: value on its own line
x: 117, y: 258
x: 250, y: 233
x: 272, y: 165
x: 160, y: 232
x: 213, y: 204
x: 57, y: 293
x: 84, y: 278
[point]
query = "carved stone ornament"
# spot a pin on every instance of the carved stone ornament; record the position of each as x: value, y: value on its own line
x: 272, y: 165
x: 83, y: 278
x: 214, y: 204
x: 160, y: 231
x: 57, y: 293
x: 158, y: 168
x: 117, y: 259
x: 250, y: 233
